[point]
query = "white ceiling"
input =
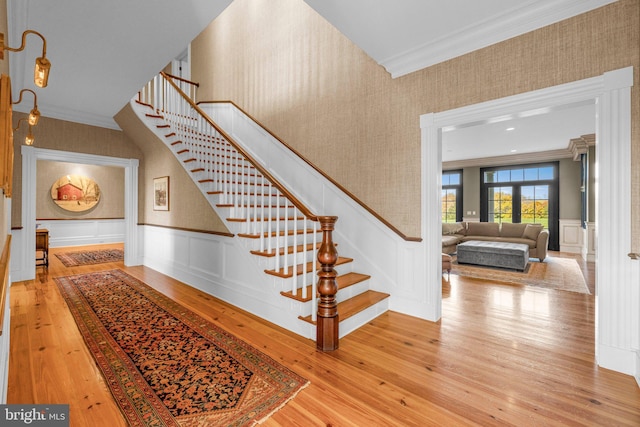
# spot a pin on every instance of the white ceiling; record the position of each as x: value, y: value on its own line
x: 544, y: 130
x: 102, y: 52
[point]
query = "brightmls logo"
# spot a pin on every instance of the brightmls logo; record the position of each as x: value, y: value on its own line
x: 36, y: 415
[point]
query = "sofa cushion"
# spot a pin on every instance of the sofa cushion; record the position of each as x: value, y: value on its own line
x: 483, y: 229
x: 451, y: 239
x: 452, y: 228
x: 512, y: 230
x: 531, y: 231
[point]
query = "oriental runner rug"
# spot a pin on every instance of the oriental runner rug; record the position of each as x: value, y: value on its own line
x: 73, y: 259
x: 554, y: 273
x: 167, y: 366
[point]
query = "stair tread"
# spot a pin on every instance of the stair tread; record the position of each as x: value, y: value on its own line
x: 344, y: 281
x: 299, y: 249
x: 309, y: 267
x: 355, y: 305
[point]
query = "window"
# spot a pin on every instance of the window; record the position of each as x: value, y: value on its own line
x: 522, y: 194
x: 452, y: 196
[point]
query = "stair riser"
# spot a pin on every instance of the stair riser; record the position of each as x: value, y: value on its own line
x: 219, y: 183
x: 306, y: 308
x: 269, y: 263
x: 352, y: 323
x: 257, y: 227
x: 253, y: 244
x: 285, y: 284
x: 241, y: 212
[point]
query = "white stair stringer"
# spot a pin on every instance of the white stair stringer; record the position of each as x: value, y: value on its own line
x: 255, y: 290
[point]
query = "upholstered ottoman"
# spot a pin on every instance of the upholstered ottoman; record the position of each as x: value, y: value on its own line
x: 494, y: 254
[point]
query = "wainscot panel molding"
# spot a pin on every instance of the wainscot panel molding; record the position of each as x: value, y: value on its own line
x: 572, y: 236
x: 396, y: 266
x: 83, y: 232
x: 591, y: 243
x: 617, y: 302
x: 218, y: 266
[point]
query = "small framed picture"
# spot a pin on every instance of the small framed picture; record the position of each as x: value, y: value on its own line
x: 161, y: 193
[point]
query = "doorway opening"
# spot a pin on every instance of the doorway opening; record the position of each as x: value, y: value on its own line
x: 611, y: 94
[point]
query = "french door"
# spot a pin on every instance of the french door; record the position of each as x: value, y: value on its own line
x: 522, y: 194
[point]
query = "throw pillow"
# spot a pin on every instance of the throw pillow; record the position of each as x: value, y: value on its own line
x: 531, y: 231
x: 508, y: 229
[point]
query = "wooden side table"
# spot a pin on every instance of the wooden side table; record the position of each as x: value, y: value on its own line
x: 42, y: 245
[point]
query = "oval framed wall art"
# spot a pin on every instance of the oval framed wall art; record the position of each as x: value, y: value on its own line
x: 75, y: 193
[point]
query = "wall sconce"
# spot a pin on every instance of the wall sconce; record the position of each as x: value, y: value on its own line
x: 34, y: 115
x: 42, y: 67
x: 29, y: 139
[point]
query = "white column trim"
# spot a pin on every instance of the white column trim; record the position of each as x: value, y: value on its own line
x: 431, y: 184
x: 616, y: 312
x: 26, y: 245
x: 617, y: 315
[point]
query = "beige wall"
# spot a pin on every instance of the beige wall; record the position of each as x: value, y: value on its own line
x: 294, y: 72
x: 66, y: 136
x: 188, y: 207
x: 109, y: 179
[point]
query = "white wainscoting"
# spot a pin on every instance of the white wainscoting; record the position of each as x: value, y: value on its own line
x: 572, y: 236
x: 219, y: 265
x: 591, y: 244
x: 83, y: 232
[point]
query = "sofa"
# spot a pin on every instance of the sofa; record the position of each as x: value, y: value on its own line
x: 533, y: 235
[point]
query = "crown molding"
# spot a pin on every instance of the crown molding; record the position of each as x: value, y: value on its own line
x: 82, y: 117
x: 485, y: 33
x: 581, y: 145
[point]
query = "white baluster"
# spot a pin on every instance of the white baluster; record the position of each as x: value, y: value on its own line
x: 286, y: 237
x: 262, y: 219
x: 304, y: 257
x: 294, y: 263
x: 277, y: 248
x: 270, y: 224
x: 314, y: 281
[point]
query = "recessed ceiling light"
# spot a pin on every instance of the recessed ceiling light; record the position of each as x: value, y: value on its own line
x: 508, y: 129
x: 513, y: 151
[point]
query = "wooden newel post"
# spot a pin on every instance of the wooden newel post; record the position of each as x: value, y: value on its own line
x: 327, y: 324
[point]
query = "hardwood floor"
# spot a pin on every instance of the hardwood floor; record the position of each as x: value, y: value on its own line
x: 501, y: 355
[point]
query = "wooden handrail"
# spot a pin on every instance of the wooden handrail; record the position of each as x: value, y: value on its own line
x: 4, y: 273
x: 294, y: 200
x: 321, y: 172
x: 181, y: 79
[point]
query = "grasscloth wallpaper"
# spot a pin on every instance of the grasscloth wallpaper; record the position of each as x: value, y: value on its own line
x: 288, y: 67
x: 188, y: 208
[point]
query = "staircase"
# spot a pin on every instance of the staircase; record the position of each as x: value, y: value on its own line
x: 279, y: 232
